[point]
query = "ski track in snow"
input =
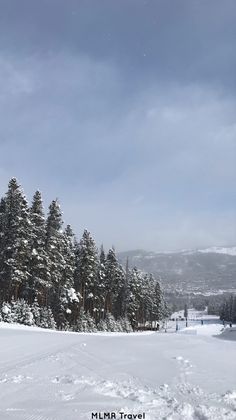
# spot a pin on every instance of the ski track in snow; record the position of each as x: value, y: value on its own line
x: 68, y: 382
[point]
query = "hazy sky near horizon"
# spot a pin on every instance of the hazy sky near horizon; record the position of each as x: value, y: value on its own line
x: 126, y: 111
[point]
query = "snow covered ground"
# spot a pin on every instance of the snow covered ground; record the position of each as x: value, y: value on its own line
x: 193, y: 315
x: 65, y: 376
x: 195, y: 320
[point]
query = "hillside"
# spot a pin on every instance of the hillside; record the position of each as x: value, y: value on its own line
x: 212, y: 270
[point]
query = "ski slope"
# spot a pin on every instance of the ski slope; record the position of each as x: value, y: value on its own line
x: 47, y: 375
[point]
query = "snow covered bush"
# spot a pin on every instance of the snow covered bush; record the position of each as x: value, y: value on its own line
x: 85, y: 323
x: 112, y: 325
x: 46, y: 318
x: 125, y: 325
x: 22, y: 313
x: 6, y: 312
x: 36, y: 313
x: 102, y: 325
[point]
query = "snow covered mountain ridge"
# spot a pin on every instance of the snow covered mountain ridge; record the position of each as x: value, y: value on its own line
x: 211, y: 269
x: 228, y: 250
x: 219, y: 250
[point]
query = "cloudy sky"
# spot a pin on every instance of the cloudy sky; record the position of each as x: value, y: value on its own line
x: 126, y: 111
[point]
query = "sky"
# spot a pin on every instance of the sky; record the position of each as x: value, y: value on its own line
x: 126, y: 111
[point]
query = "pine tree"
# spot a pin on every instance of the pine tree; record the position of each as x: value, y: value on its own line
x: 234, y: 309
x: 3, y: 284
x: 136, y: 310
x: 158, y: 299
x: 125, y: 325
x: 228, y: 309
x: 36, y: 313
x: 22, y: 313
x: 55, y: 256
x: 186, y: 311
x: 46, y: 318
x: 147, y: 307
x: 91, y: 325
x: 115, y: 283
x: 102, y: 257
x: 38, y: 261
x: 2, y: 222
x: 6, y: 312
x: 165, y: 310
x: 15, y: 242
x: 68, y: 299
x: 102, y: 325
x: 86, y: 273
x: 82, y: 322
x: 69, y: 257
x: 111, y: 323
x: 101, y: 286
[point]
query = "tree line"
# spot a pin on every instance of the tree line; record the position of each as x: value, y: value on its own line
x: 46, y: 272
x: 228, y: 310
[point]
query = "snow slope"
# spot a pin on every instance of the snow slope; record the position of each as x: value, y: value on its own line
x: 65, y: 376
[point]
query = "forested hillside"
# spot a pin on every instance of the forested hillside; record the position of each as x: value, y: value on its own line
x: 194, y: 271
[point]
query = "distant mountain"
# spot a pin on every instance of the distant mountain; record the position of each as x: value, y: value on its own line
x: 219, y: 250
x: 211, y: 270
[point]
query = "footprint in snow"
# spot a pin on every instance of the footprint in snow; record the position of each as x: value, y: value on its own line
x: 17, y: 379
x: 182, y: 361
x: 65, y: 397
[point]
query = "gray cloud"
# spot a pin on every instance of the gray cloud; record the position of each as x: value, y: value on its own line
x: 134, y: 129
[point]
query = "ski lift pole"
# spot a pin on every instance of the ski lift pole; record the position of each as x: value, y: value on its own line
x: 176, y: 325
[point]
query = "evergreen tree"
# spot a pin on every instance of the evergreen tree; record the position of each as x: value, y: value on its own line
x: 125, y: 325
x: 147, y: 305
x: 115, y: 284
x: 86, y: 273
x: 68, y: 299
x: 91, y: 325
x: 231, y: 308
x: 81, y: 322
x: 228, y: 309
x: 101, y: 286
x: 158, y: 299
x: 3, y: 284
x: 15, y: 253
x: 55, y: 256
x: 38, y: 262
x: 112, y: 324
x: 2, y: 222
x: 186, y: 311
x: 165, y: 310
x: 6, y: 312
x: 102, y: 257
x: 69, y: 257
x: 22, y: 313
x: 36, y: 313
x: 46, y: 318
x: 136, y: 312
x: 234, y: 310
x: 102, y: 325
